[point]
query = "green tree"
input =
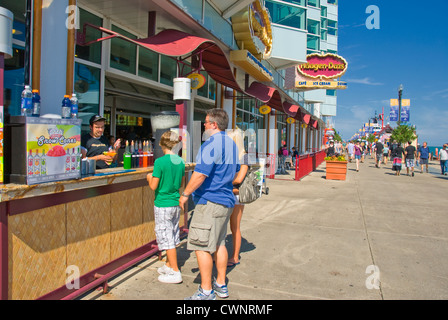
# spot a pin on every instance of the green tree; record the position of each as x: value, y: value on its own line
x: 403, y: 133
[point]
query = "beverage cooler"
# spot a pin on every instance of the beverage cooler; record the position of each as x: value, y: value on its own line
x: 39, y: 150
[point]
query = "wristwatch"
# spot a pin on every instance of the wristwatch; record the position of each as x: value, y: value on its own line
x: 185, y: 195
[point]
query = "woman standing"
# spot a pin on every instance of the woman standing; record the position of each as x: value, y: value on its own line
x: 237, y: 214
x: 396, y: 155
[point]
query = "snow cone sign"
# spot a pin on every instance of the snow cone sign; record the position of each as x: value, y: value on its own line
x: 328, y: 66
x: 53, y: 150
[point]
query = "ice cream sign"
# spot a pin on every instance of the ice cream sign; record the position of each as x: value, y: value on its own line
x: 53, y: 150
x: 328, y: 66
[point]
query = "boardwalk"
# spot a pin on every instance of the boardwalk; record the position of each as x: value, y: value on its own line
x: 318, y: 239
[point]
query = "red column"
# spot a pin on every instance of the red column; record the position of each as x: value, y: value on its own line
x: 181, y: 109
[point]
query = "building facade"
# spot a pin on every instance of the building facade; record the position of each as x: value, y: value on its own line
x: 126, y: 79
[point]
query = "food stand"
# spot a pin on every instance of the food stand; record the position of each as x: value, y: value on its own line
x: 62, y: 232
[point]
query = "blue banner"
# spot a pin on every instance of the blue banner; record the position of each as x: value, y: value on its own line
x: 393, y: 113
x: 405, y: 113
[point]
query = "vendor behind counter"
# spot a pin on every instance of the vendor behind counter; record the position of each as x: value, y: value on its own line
x: 94, y: 144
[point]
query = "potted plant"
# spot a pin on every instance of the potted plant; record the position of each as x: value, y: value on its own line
x: 336, y: 167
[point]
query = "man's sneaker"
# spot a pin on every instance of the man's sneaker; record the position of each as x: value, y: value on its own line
x: 171, y: 277
x: 164, y: 269
x: 200, y: 295
x: 222, y: 292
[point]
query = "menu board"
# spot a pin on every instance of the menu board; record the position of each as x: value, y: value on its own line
x: 53, y: 149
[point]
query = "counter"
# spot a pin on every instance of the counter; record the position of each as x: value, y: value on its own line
x: 54, y: 231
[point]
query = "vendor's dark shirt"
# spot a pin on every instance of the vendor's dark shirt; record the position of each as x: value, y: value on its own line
x: 95, y: 147
x: 330, y: 151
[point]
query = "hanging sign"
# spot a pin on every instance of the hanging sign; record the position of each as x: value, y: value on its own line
x: 197, y: 80
x: 265, y: 109
x: 290, y: 120
x: 328, y: 66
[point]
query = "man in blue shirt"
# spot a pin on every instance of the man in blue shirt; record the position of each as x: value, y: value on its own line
x: 211, y: 186
x: 424, y: 155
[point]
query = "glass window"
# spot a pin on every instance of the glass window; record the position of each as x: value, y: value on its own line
x: 314, y: 3
x: 123, y: 54
x: 192, y: 7
x: 220, y: 27
x: 14, y: 76
x: 91, y: 52
x: 335, y: 2
x: 287, y: 15
x: 331, y: 93
x: 148, y: 64
x: 313, y: 42
x: 298, y: 2
x: 323, y: 11
x: 87, y: 88
x: 323, y: 35
x: 313, y: 27
x: 168, y: 70
x: 211, y: 88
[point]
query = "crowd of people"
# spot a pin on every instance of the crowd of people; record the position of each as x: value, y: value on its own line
x: 397, y: 153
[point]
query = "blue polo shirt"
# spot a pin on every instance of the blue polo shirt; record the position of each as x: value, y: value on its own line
x: 218, y: 160
x: 424, y: 153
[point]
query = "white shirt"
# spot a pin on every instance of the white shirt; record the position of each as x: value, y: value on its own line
x: 443, y: 154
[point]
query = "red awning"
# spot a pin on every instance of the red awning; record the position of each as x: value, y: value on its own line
x: 176, y: 43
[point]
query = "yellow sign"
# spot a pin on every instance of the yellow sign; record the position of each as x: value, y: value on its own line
x: 197, y: 80
x: 265, y: 109
x: 393, y: 102
x: 406, y: 103
x: 321, y: 84
x: 304, y: 125
x: 290, y: 120
x: 253, y: 30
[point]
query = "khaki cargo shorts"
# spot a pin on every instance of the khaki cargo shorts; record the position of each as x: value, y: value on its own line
x: 208, y: 227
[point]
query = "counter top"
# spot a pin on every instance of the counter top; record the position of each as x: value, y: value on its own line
x: 103, y: 177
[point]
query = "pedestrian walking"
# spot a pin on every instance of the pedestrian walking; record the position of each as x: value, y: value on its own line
x: 330, y: 149
x: 443, y: 156
x: 423, y: 154
x: 379, y: 153
x: 358, y: 154
x: 166, y: 180
x: 351, y: 150
x: 397, y: 156
x: 212, y: 191
x: 385, y: 153
x: 410, y: 154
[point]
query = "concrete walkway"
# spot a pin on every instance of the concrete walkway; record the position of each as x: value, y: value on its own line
x: 374, y: 236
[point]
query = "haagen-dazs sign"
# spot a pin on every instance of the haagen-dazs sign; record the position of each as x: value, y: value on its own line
x: 328, y: 66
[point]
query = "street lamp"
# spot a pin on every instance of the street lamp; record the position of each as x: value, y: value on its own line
x: 400, y: 91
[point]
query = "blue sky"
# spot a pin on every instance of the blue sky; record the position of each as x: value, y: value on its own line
x: 410, y: 48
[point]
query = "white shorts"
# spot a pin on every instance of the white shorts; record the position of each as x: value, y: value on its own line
x: 167, y: 227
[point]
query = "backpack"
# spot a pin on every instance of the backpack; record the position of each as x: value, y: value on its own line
x: 249, y: 190
x: 285, y: 152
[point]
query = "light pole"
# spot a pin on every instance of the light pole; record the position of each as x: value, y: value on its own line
x: 400, y: 91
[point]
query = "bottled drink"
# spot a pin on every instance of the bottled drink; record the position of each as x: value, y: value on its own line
x: 37, y: 164
x: 65, y: 113
x: 74, y: 106
x: 68, y: 161
x: 36, y: 103
x: 73, y: 166
x: 140, y: 155
x: 134, y: 153
x: 127, y: 157
x: 43, y: 164
x: 27, y: 102
x: 30, y: 163
x: 78, y: 159
x: 145, y: 154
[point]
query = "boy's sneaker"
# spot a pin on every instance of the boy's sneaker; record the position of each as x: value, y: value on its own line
x: 222, y: 292
x: 171, y: 277
x: 200, y: 295
x: 164, y: 269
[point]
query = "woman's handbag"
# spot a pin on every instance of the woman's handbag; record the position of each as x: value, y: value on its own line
x: 249, y: 190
